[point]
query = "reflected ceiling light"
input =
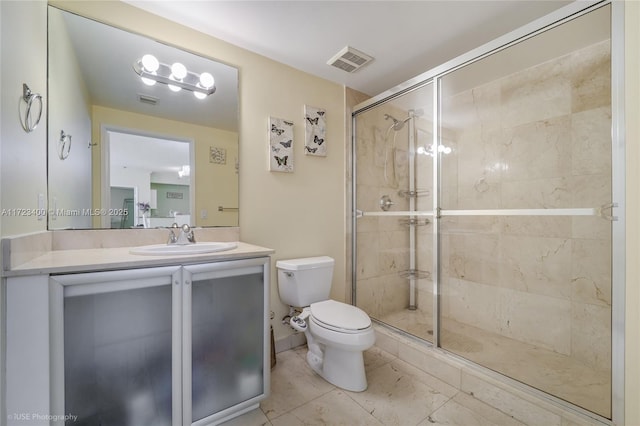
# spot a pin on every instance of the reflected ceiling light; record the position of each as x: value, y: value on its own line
x: 428, y: 150
x: 176, y: 76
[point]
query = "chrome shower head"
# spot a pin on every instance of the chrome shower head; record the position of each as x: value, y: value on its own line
x: 397, y: 124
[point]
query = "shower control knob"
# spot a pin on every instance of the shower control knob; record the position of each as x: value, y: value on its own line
x: 385, y: 203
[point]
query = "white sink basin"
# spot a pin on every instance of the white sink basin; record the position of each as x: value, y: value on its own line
x: 174, y: 249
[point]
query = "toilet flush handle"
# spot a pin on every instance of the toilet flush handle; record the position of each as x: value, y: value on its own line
x: 288, y: 274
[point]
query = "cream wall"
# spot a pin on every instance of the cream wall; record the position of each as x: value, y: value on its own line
x: 71, y: 189
x: 297, y: 214
x: 24, y: 155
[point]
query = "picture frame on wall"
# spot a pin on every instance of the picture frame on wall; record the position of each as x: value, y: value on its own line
x: 280, y: 145
x: 315, y: 131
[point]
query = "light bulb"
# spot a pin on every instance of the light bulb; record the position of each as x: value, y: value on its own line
x: 174, y: 88
x: 199, y: 95
x: 206, y: 80
x: 150, y: 63
x: 148, y: 81
x: 178, y: 71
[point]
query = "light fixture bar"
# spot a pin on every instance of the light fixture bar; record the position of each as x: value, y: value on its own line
x: 162, y: 75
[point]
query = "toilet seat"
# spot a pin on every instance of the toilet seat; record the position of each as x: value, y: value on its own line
x: 340, y: 317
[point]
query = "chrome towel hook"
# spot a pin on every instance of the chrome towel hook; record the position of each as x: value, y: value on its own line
x: 64, y: 145
x: 28, y: 124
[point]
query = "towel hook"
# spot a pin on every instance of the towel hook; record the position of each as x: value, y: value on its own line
x: 29, y: 97
x: 65, y: 145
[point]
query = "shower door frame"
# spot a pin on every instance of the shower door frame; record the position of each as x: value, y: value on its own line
x: 618, y: 263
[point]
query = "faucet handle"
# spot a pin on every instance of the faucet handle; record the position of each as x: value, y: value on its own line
x: 172, y: 237
x: 188, y: 232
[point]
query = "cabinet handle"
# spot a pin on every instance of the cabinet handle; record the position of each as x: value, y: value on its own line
x: 187, y: 282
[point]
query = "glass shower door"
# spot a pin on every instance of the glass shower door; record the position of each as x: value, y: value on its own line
x: 484, y: 202
x: 526, y: 198
x: 394, y: 203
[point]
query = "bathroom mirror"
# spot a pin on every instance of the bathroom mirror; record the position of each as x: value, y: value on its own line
x: 122, y: 153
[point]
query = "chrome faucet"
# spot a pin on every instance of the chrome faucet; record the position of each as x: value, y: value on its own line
x: 172, y: 235
x: 186, y: 235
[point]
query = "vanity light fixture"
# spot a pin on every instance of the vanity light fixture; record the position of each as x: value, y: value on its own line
x: 176, y: 76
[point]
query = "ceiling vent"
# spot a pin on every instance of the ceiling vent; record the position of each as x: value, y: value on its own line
x: 146, y: 99
x: 350, y: 59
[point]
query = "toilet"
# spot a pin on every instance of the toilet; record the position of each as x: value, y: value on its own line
x: 337, y: 333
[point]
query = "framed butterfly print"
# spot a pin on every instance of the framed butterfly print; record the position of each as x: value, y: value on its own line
x: 280, y: 145
x: 314, y: 131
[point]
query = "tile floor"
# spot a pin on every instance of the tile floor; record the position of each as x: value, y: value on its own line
x: 563, y: 376
x: 398, y: 394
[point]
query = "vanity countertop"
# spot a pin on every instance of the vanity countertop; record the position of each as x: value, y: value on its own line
x: 101, y: 259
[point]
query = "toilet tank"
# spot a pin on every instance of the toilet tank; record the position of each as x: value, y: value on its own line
x: 304, y: 281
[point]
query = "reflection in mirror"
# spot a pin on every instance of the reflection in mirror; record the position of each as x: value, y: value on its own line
x: 147, y: 174
x: 139, y: 154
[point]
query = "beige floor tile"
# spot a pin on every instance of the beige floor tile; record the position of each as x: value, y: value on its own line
x: 396, y: 397
x: 333, y: 408
x: 376, y: 357
x: 252, y: 418
x: 452, y: 413
x: 560, y: 375
x: 293, y: 384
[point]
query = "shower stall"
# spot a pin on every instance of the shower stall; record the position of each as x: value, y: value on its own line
x: 485, y: 196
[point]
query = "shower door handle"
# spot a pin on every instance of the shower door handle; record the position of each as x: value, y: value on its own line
x: 386, y: 203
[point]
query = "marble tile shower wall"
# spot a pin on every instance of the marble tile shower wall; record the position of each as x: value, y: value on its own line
x: 539, y: 138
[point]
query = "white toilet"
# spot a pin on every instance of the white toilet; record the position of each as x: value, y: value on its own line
x: 336, y: 333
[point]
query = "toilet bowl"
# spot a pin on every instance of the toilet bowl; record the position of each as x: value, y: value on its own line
x: 336, y: 333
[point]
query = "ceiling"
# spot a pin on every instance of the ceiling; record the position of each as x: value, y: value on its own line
x: 406, y: 38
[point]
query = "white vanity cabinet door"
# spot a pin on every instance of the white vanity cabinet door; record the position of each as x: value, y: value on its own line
x: 27, y: 351
x: 116, y: 350
x: 226, y: 358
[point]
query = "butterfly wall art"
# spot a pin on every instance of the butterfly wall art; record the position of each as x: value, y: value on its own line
x: 280, y: 145
x: 314, y: 131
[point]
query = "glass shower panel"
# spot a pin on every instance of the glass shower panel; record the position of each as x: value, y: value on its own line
x: 525, y: 253
x: 394, y: 234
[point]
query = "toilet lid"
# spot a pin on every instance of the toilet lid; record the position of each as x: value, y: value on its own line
x: 340, y: 315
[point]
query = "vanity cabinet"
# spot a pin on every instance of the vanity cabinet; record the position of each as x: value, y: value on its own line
x: 174, y: 345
